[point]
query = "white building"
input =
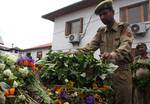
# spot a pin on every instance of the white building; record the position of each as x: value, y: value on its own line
x: 38, y: 51
x: 77, y: 17
x: 1, y: 41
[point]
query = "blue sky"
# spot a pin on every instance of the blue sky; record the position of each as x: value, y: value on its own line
x: 21, y: 23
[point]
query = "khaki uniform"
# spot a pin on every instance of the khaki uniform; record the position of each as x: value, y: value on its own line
x: 118, y: 40
x: 141, y: 96
x: 2, y: 98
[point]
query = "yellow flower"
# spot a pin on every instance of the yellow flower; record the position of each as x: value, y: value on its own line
x: 66, y: 102
x: 59, y: 90
x: 71, y: 84
x: 57, y: 101
x: 98, y: 98
x: 49, y: 94
x: 94, y: 86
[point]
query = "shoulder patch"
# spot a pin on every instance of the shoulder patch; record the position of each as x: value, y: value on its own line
x: 123, y: 26
x: 129, y: 34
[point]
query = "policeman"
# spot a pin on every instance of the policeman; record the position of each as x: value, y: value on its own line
x: 2, y: 98
x: 114, y: 41
x: 141, y: 96
x: 141, y: 51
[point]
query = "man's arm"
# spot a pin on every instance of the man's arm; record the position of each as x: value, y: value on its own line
x: 124, y: 49
x: 94, y: 44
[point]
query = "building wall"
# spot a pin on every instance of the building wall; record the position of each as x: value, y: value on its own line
x: 59, y: 28
x: 34, y: 52
x: 61, y: 42
x: 123, y: 3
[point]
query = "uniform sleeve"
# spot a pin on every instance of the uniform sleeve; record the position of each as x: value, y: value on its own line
x: 94, y: 44
x: 124, y: 48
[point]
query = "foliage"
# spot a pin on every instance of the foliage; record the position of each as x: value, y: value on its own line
x: 138, y: 65
x: 82, y: 68
x: 70, y: 78
x: 144, y: 81
x: 82, y: 95
x: 75, y: 74
x: 22, y: 78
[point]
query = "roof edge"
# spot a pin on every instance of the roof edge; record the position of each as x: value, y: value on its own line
x: 69, y: 9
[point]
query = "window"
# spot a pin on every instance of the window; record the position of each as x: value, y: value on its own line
x: 135, y: 13
x: 28, y: 54
x: 74, y: 26
x: 16, y: 51
x: 39, y: 54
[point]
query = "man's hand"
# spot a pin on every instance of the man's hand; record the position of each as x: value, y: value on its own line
x: 106, y: 55
x: 71, y: 52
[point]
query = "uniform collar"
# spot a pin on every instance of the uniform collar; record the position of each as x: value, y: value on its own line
x: 114, y: 27
x: 142, y: 57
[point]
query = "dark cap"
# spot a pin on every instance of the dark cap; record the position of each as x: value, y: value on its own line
x: 103, y: 5
x: 141, y: 44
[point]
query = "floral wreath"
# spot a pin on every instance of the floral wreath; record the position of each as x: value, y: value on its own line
x: 144, y: 81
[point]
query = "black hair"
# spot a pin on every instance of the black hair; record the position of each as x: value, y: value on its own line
x: 141, y: 44
x: 28, y: 54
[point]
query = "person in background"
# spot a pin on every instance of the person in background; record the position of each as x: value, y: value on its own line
x: 28, y: 55
x: 2, y: 98
x: 29, y: 58
x: 142, y: 53
x: 20, y: 58
x: 114, y: 41
x: 141, y: 96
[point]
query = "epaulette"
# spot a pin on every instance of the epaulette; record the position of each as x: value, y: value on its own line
x: 123, y: 26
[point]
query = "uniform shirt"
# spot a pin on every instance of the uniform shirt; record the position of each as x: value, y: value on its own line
x: 117, y: 40
x: 141, y: 59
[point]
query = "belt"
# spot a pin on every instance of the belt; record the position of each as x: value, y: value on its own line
x: 124, y: 67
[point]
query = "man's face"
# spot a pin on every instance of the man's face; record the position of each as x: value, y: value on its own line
x: 106, y: 16
x: 141, y: 49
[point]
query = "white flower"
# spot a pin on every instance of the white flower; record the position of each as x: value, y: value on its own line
x: 15, y: 84
x: 7, y: 72
x: 12, y: 77
x: 103, y: 76
x: 21, y: 97
x: 12, y: 57
x: 2, y: 66
x: 9, y: 58
x: 83, y: 75
x: 76, y: 93
x: 66, y: 80
x: 24, y: 71
x: 12, y: 66
x: 112, y: 68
